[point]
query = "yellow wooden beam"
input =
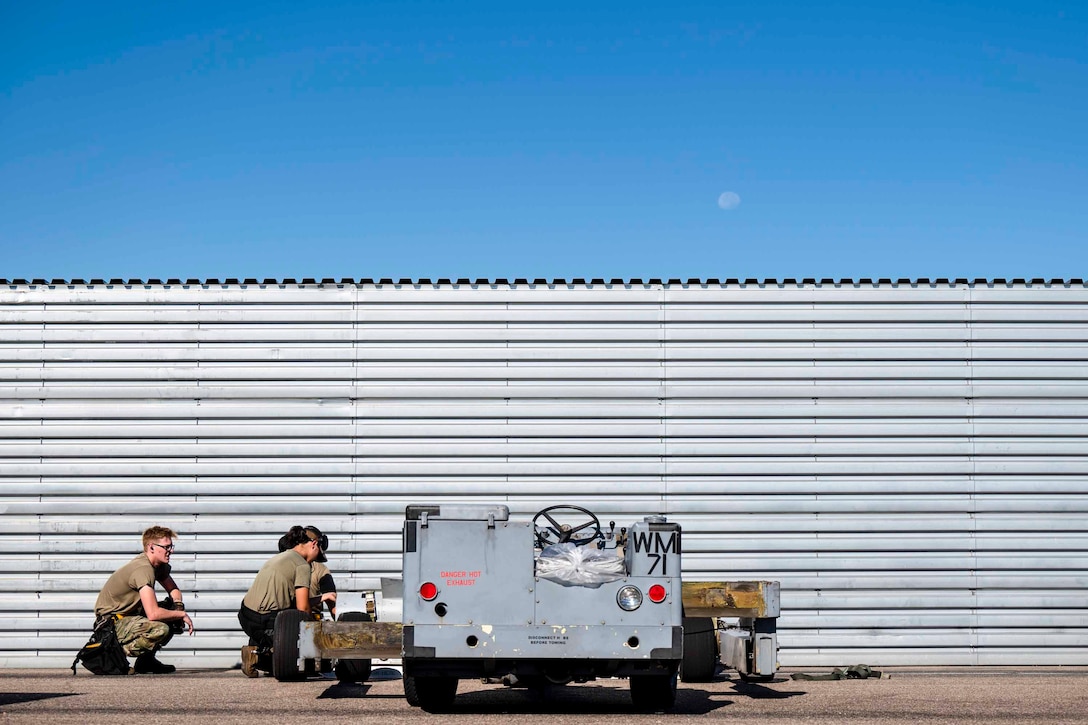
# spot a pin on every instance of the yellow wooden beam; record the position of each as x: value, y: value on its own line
x: 725, y: 599
x: 358, y: 639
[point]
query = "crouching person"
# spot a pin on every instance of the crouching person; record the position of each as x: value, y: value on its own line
x: 282, y: 583
x: 322, y: 584
x: 143, y: 624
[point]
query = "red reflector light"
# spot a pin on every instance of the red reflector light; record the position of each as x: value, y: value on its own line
x: 428, y: 591
x: 657, y: 594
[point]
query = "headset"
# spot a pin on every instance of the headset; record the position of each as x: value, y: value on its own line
x: 322, y: 540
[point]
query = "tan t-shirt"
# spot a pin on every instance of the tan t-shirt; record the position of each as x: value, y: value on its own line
x: 121, y: 593
x: 321, y: 581
x: 274, y: 587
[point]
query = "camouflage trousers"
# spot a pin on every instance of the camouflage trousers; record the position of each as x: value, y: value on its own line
x: 140, y: 635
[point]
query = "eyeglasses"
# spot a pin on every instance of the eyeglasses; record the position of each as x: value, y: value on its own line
x: 167, y: 547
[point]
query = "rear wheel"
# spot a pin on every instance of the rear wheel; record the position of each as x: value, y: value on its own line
x: 353, y: 670
x: 432, y: 694
x: 700, y: 662
x: 285, y: 645
x: 653, y: 693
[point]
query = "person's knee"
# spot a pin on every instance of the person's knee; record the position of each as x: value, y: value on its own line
x: 151, y: 637
x: 264, y: 639
x: 161, y: 634
x: 130, y: 629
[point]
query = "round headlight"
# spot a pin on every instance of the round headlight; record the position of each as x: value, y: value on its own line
x: 629, y: 598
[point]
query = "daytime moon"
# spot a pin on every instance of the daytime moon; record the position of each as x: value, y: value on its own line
x: 729, y: 200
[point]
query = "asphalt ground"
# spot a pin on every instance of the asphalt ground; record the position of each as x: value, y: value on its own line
x: 909, y: 695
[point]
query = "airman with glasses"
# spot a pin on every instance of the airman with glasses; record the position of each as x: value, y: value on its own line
x: 143, y: 624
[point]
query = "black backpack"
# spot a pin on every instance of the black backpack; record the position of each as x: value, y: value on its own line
x: 103, y: 654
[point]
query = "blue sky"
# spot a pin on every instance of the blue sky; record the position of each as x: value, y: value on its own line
x: 420, y: 139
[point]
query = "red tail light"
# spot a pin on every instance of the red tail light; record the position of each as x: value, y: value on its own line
x: 428, y: 591
x: 657, y: 594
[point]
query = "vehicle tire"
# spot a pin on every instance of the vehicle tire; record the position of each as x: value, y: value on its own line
x: 700, y: 662
x: 285, y: 645
x: 355, y: 670
x: 432, y: 694
x: 411, y: 695
x: 653, y: 693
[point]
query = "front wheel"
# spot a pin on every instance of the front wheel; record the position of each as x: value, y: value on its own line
x: 432, y: 694
x: 356, y: 670
x: 285, y: 645
x: 653, y: 693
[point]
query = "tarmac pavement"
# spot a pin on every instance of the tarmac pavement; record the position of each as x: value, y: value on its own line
x: 909, y: 695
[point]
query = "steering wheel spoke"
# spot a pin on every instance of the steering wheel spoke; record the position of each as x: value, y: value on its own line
x: 555, y: 532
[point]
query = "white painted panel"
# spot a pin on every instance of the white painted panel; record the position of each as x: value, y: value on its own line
x: 778, y: 371
x: 679, y: 314
x: 187, y: 315
x: 908, y: 459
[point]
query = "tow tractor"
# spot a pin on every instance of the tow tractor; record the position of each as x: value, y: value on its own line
x: 556, y: 599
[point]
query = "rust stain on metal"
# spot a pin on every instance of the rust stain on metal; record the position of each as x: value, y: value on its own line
x: 724, y: 599
x: 359, y: 639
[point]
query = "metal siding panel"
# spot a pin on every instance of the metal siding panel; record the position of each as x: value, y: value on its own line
x: 878, y: 448
x: 679, y: 314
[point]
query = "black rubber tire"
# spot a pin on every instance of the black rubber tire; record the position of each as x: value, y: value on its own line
x: 432, y: 694
x: 653, y: 693
x: 353, y: 670
x: 410, y: 693
x: 285, y: 645
x: 700, y: 662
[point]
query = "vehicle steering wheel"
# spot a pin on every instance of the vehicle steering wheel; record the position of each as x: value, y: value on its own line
x: 557, y: 533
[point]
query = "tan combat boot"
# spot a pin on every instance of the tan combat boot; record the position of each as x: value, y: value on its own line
x: 249, y: 661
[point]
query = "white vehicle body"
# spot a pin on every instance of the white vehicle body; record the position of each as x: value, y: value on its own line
x: 554, y: 600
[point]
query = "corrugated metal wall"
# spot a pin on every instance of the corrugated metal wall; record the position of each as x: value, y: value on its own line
x: 907, y: 459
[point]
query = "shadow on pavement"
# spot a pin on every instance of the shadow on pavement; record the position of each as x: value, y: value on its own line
x: 14, y: 698
x: 762, y: 692
x: 577, y: 700
x: 344, y: 690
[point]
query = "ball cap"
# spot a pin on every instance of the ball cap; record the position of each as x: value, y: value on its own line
x: 322, y: 541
